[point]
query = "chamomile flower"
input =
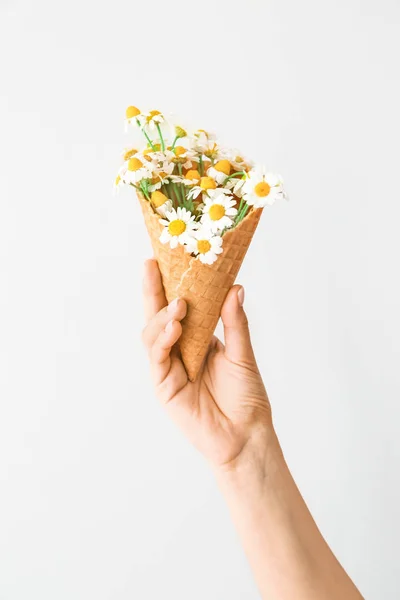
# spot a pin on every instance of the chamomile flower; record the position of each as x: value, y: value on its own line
x: 160, y: 168
x: 236, y: 186
x: 218, y: 210
x: 180, y: 152
x: 203, y: 138
x: 132, y: 115
x: 158, y: 179
x: 179, y: 227
x: 203, y: 145
x: 185, y: 155
x: 151, y: 119
x: 134, y: 170
x: 161, y: 203
x: 205, y: 245
x: 220, y: 171
x: 206, y: 184
x: 128, y: 153
x: 163, y: 167
x: 261, y: 189
x: 192, y: 177
x: 238, y: 162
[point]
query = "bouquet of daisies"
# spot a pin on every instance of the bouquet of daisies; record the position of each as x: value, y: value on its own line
x: 201, y: 204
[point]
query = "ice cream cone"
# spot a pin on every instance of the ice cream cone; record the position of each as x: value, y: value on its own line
x: 203, y: 287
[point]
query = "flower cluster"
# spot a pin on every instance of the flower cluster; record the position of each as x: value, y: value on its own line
x: 199, y: 189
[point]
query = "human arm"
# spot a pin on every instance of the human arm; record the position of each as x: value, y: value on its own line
x: 226, y: 414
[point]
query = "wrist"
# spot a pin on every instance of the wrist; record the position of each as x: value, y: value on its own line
x: 258, y: 462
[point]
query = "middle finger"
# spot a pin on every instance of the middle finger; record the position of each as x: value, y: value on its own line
x: 176, y: 310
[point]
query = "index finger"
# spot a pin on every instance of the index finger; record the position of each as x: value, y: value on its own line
x: 153, y: 292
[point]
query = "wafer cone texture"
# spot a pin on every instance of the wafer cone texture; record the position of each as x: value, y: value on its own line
x: 203, y: 287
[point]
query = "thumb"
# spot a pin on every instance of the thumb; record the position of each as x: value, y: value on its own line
x: 238, y: 347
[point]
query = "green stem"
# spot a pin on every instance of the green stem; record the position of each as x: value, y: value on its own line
x: 174, y: 142
x: 171, y: 193
x: 177, y: 194
x: 244, y: 212
x: 164, y: 189
x: 181, y: 186
x: 146, y: 136
x: 201, y: 165
x: 233, y: 175
x: 144, y: 190
x: 239, y: 209
x: 161, y: 137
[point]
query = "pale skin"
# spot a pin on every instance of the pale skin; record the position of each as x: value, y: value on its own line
x: 226, y: 414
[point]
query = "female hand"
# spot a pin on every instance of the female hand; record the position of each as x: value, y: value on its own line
x: 225, y: 412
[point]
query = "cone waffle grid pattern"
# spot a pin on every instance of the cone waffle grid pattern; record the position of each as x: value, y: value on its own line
x: 203, y: 287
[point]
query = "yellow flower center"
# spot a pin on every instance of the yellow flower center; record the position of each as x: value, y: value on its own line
x: 129, y: 153
x: 207, y: 183
x: 118, y: 179
x: 203, y: 246
x: 216, y: 212
x: 192, y: 174
x: 223, y: 166
x: 179, y: 150
x: 262, y: 189
x: 152, y: 113
x: 177, y: 227
x: 239, y: 159
x: 134, y: 164
x: 132, y: 112
x: 158, y: 198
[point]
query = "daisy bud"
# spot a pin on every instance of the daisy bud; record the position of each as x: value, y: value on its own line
x: 132, y: 112
x: 180, y: 132
x: 207, y: 183
x: 224, y: 166
x: 158, y: 199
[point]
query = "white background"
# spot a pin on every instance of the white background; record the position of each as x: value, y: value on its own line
x: 100, y: 496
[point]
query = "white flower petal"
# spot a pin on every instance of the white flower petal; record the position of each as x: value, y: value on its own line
x: 165, y: 236
x: 174, y: 241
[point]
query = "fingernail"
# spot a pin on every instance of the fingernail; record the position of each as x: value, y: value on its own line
x: 168, y: 326
x: 173, y: 305
x: 240, y: 296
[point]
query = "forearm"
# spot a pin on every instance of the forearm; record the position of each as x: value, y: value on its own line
x: 288, y: 555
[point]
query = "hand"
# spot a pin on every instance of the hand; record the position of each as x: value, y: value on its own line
x: 225, y: 412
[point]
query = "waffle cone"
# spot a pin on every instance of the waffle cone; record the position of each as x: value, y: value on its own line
x: 203, y: 287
